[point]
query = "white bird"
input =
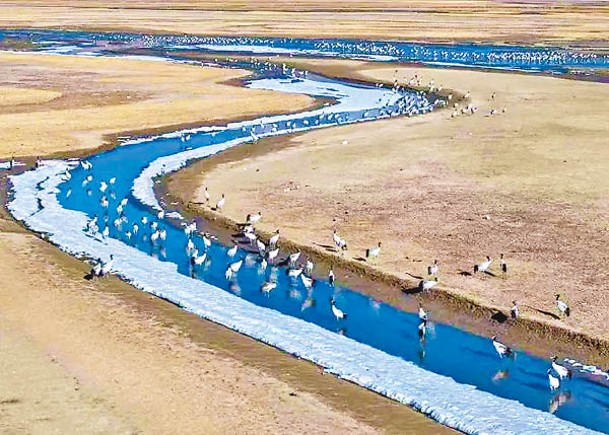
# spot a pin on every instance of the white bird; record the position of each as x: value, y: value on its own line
x: 232, y: 251
x: 220, y: 203
x: 160, y: 215
x: 206, y: 195
x: 338, y: 313
x: 144, y: 220
x: 190, y: 246
x: 422, y: 329
x: 341, y: 244
x: 96, y: 269
x: 554, y: 381
x: 233, y: 268
x: 112, y: 180
x: 206, y: 240
x: 251, y: 237
x: 331, y: 277
x: 433, y: 269
x: 293, y: 258
x: 124, y: 201
x: 163, y: 234
x: 199, y: 259
x: 271, y: 255
x: 274, y: 239
x: 261, y: 247
x: 514, y: 311
x: 562, y: 306
x: 107, y: 267
x: 422, y: 313
x: 253, y: 218
x: 428, y: 284
x: 103, y: 186
x: 268, y: 286
x: 86, y: 164
x: 561, y: 371
x: 154, y: 237
x: 106, y: 232
x: 309, y: 267
x: 501, y: 348
x: 373, y: 253
x: 306, y: 281
x: 104, y: 202
x: 504, y: 266
x: 483, y: 267
x: 294, y: 273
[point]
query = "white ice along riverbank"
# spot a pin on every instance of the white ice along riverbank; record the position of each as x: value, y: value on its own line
x: 456, y: 405
x: 349, y: 99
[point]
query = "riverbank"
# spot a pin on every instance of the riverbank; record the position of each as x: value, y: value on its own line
x: 523, y: 22
x: 455, y: 189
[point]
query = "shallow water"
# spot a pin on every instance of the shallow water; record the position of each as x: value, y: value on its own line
x: 376, y: 346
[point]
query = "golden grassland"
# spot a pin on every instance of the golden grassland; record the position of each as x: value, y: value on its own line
x: 62, y: 104
x: 420, y: 20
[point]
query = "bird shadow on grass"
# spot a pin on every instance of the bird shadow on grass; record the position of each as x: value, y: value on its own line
x: 545, y: 313
x: 465, y: 273
x: 362, y: 259
x: 89, y: 276
x: 488, y: 272
x: 326, y: 247
x: 499, y: 317
x: 412, y: 290
x: 413, y: 276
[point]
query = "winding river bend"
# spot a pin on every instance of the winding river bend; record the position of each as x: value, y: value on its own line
x: 455, y: 377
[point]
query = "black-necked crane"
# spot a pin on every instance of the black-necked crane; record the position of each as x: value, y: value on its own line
x: 221, y: 202
x: 483, y: 267
x: 338, y: 313
x: 502, y: 349
x: 514, y: 311
x: 433, y: 269
x: 561, y: 371
x: 562, y: 306
x: 373, y: 253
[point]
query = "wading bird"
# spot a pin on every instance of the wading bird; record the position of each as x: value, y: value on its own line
x: 274, y: 239
x: 338, y: 313
x: 422, y: 313
x: 561, y: 371
x: 232, y: 251
x: 422, y: 330
x: 502, y: 349
x: 553, y: 381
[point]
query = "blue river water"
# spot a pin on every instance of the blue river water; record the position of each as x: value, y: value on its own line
x: 467, y: 358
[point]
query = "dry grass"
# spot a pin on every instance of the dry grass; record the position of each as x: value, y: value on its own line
x: 425, y: 187
x: 52, y: 104
x: 423, y: 20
